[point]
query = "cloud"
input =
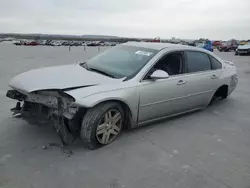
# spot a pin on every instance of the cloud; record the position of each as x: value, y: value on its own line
x: 215, y: 19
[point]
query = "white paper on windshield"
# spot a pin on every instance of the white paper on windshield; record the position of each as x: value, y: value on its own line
x: 143, y: 53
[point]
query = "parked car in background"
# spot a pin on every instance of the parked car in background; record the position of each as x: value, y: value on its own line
x: 42, y: 42
x: 32, y: 43
x: 18, y: 43
x: 94, y: 43
x: 48, y: 43
x: 228, y: 46
x: 243, y: 49
x: 216, y: 43
x: 56, y: 43
x: 123, y: 87
x: 243, y: 42
x: 191, y: 43
x: 206, y: 45
x: 65, y: 43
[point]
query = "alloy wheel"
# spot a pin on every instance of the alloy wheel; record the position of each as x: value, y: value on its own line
x: 109, y: 127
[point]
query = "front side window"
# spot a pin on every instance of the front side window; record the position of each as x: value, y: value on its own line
x: 197, y: 61
x: 215, y: 63
x: 121, y: 61
x: 171, y: 63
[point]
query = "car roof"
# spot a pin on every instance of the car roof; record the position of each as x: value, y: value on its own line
x: 159, y: 46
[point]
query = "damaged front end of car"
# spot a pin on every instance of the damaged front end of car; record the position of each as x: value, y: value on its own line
x: 49, y: 106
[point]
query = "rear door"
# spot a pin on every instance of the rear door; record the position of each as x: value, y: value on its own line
x: 202, y: 76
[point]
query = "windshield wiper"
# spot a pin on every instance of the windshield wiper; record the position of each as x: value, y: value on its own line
x: 100, y: 71
x: 85, y: 65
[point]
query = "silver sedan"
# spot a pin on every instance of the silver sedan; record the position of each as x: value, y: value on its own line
x: 124, y: 87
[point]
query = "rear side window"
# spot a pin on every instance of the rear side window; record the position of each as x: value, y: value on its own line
x: 215, y: 63
x: 197, y: 61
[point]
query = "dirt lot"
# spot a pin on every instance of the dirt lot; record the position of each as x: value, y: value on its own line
x: 206, y: 149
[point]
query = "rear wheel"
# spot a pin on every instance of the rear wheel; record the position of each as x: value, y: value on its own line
x: 102, y: 124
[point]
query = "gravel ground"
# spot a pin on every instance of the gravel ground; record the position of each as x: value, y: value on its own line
x: 206, y: 149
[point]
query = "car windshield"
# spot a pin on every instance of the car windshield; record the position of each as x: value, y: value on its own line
x: 120, y: 61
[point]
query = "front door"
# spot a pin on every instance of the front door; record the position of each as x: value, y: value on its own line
x: 164, y: 97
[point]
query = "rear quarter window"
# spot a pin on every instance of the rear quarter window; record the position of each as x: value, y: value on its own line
x: 197, y: 61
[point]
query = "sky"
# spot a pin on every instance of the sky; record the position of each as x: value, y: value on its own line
x: 186, y: 19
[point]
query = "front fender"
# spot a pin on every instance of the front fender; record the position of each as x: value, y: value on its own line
x: 128, y: 96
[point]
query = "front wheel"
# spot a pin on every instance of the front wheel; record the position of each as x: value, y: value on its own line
x: 102, y: 124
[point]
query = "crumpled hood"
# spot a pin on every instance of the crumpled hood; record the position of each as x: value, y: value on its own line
x: 58, y: 77
x: 246, y: 46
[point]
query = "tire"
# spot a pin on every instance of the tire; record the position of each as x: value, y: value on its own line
x: 92, y: 121
x: 236, y: 53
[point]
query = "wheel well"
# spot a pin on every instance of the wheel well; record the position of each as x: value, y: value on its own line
x: 75, y: 123
x: 222, y: 91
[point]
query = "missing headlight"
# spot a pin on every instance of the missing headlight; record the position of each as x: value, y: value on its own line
x: 70, y: 112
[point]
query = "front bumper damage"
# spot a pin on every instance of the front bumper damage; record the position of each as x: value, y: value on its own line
x: 49, y: 107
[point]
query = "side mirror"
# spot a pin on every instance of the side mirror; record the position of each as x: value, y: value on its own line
x: 159, y: 74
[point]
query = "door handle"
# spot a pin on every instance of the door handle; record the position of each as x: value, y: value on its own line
x: 213, y: 76
x: 181, y: 82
